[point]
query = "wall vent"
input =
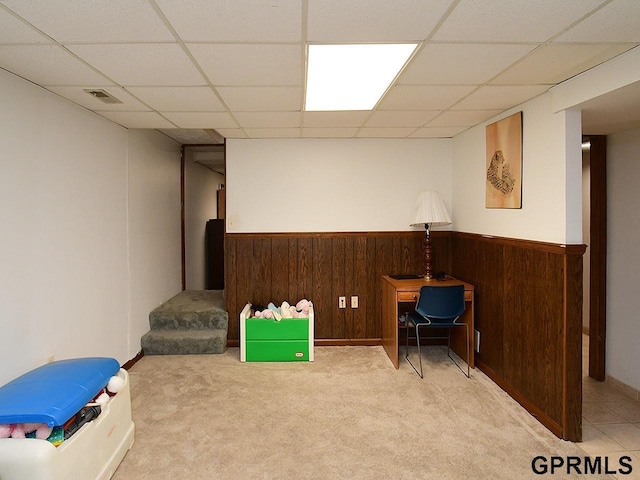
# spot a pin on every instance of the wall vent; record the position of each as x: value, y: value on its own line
x: 103, y: 96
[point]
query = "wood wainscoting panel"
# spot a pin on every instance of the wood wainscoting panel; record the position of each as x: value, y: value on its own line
x: 528, y: 313
x: 274, y: 267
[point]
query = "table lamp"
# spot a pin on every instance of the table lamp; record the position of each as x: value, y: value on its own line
x: 429, y: 211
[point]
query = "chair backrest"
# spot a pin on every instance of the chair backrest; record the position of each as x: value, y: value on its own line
x: 441, y: 303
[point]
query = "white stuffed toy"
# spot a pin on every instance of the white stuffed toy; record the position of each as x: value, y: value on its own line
x: 115, y: 385
x: 303, y: 307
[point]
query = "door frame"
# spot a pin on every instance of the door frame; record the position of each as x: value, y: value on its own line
x: 598, y: 253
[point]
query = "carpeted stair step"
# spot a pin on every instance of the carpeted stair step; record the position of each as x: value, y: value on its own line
x: 192, y: 322
x: 184, y: 342
x: 191, y: 310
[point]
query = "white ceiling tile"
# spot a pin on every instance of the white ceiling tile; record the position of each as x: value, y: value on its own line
x: 512, y: 21
x: 390, y: 118
x: 137, y: 119
x: 250, y: 64
x: 179, y: 99
x: 138, y: 64
x: 233, y: 20
x: 389, y: 132
x: 335, y: 119
x: 261, y: 99
x: 272, y: 132
x: 213, y: 120
x: 79, y: 96
x: 415, y: 97
x: 189, y: 137
x: 232, y: 132
x: 48, y: 65
x: 268, y: 119
x: 14, y: 31
x: 373, y: 20
x: 335, y: 132
x: 461, y: 63
x: 91, y: 21
x: 500, y: 97
x: 555, y: 63
x: 462, y: 118
x: 616, y: 22
x: 437, y: 132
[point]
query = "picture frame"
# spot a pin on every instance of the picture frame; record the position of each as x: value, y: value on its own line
x: 504, y: 163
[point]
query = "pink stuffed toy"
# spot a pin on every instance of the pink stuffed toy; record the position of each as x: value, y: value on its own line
x: 303, y: 307
x: 20, y: 430
x: 42, y: 431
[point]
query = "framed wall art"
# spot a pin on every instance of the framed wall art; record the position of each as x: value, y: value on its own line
x: 504, y: 163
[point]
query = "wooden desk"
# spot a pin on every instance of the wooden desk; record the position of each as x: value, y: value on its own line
x: 401, y: 295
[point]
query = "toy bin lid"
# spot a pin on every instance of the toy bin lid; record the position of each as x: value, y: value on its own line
x: 55, y: 392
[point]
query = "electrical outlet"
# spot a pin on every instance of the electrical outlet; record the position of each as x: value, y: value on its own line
x: 342, y: 302
x: 354, y: 301
x: 476, y: 338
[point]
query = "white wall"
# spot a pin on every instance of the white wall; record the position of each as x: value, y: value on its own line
x: 154, y: 227
x: 623, y: 260
x: 551, y: 179
x: 331, y: 185
x: 64, y: 276
x: 201, y: 185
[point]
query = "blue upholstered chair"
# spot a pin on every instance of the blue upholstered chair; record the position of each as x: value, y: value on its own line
x: 438, y: 307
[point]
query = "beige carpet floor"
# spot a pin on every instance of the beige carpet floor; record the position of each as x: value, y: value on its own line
x: 348, y: 415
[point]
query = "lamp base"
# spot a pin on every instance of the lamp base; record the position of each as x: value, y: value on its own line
x: 427, y: 252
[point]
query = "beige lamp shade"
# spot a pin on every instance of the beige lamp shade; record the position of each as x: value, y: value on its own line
x: 430, y: 210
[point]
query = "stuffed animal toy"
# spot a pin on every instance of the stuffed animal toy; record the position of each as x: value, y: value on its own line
x: 42, y: 431
x: 303, y: 307
x: 115, y: 385
x: 284, y: 308
x: 22, y: 430
x: 277, y: 316
x: 264, y: 314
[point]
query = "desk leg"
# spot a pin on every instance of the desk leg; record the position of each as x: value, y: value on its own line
x: 458, y: 337
x: 390, y: 322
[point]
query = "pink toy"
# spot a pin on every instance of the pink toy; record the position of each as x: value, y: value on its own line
x: 303, y: 307
x: 21, y: 430
x: 17, y: 431
x: 42, y: 430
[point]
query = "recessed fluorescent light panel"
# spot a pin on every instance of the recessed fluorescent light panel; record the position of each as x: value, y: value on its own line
x: 352, y: 77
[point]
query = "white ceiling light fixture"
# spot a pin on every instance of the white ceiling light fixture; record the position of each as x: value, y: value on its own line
x: 352, y: 77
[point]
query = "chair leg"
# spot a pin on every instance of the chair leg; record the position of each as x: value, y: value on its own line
x: 419, y: 353
x: 468, y: 374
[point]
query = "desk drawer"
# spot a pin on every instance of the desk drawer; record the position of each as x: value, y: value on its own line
x: 413, y: 297
x: 407, y: 297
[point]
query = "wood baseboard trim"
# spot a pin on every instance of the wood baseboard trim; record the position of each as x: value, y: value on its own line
x: 343, y: 342
x: 538, y: 414
x: 127, y: 366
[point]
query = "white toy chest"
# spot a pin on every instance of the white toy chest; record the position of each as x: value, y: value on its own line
x: 93, y: 452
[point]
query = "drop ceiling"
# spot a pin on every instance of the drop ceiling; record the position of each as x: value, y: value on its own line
x: 204, y: 70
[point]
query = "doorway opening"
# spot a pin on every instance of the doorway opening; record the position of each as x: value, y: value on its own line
x: 202, y: 182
